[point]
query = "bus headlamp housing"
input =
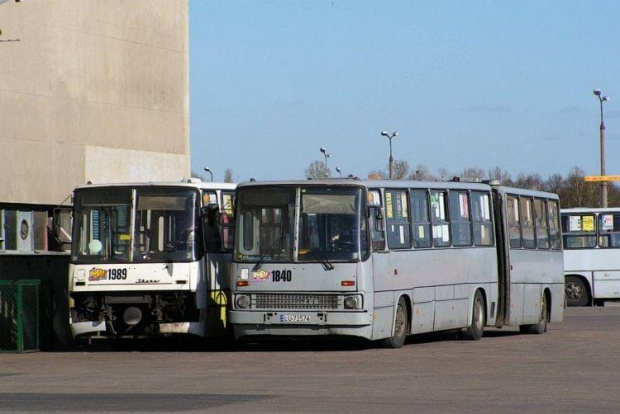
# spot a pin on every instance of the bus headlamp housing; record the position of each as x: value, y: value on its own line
x: 242, y: 301
x: 132, y: 316
x: 352, y: 302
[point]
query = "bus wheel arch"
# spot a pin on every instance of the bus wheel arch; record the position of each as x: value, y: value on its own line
x: 578, y: 290
x: 401, y: 324
x: 545, y: 313
x: 475, y: 330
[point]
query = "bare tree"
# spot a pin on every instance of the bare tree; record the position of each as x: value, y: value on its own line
x: 377, y: 175
x: 228, y: 175
x: 316, y: 169
x: 422, y: 173
x: 501, y: 176
x: 442, y: 173
x: 197, y: 175
x: 401, y: 169
x: 473, y: 174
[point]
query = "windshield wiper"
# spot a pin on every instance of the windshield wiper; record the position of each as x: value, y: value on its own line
x: 319, y: 254
x: 268, y: 253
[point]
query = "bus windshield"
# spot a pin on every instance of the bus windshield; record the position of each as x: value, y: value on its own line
x: 331, y: 226
x: 135, y: 225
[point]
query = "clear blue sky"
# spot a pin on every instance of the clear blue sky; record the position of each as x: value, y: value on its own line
x: 466, y: 83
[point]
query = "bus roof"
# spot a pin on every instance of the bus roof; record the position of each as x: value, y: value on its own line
x: 191, y: 183
x: 367, y: 183
x: 402, y: 184
x: 590, y: 210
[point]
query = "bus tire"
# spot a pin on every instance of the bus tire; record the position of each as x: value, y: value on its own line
x: 576, y: 291
x: 541, y: 326
x: 478, y: 318
x: 401, y: 326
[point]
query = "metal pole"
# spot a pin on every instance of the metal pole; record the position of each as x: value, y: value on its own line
x: 391, y: 158
x: 602, y: 139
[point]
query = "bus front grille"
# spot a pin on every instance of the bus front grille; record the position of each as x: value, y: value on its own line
x: 295, y: 301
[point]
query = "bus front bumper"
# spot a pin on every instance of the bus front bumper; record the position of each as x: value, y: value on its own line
x: 297, y: 323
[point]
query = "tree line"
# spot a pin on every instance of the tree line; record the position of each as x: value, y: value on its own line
x: 573, y: 190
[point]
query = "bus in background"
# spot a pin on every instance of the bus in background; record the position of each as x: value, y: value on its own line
x: 150, y: 259
x: 385, y: 259
x: 591, y: 255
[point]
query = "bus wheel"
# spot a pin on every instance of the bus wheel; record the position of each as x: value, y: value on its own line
x: 576, y: 292
x: 401, y: 326
x: 478, y: 318
x: 541, y: 326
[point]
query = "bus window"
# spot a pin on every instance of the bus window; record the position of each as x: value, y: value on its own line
x: 481, y: 217
x: 421, y: 222
x: 542, y: 226
x: 459, y: 218
x: 527, y: 223
x: 514, y: 221
x: 397, y: 219
x: 439, y: 219
x: 579, y: 231
x: 609, y: 230
x: 555, y: 238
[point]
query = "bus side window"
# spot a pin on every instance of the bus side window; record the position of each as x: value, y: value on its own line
x: 481, y: 217
x: 397, y: 219
x: 609, y: 230
x: 541, y: 224
x: 459, y: 218
x: 420, y: 219
x: 439, y: 219
x: 555, y: 237
x: 514, y: 221
x: 527, y: 223
x: 578, y: 231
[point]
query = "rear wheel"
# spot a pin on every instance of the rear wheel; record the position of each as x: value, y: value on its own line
x: 401, y: 326
x: 478, y: 318
x: 576, y: 292
x: 541, y: 326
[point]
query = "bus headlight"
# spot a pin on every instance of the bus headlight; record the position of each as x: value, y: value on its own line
x: 132, y: 316
x: 242, y: 301
x: 352, y: 302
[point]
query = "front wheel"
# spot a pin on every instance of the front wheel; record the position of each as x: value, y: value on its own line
x: 576, y: 292
x: 478, y: 318
x: 401, y: 326
x: 541, y: 326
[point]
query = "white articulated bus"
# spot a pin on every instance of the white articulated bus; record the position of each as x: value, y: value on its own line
x: 591, y: 255
x: 385, y: 259
x: 150, y: 259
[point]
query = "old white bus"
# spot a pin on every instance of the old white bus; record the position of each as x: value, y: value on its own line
x: 591, y: 255
x: 385, y: 259
x: 150, y: 259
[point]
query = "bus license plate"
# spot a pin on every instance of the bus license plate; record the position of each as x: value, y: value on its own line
x: 295, y: 319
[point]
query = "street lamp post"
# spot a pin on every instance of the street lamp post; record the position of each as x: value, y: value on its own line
x: 326, y: 155
x: 339, y: 171
x: 209, y: 171
x: 602, y: 99
x: 388, y: 136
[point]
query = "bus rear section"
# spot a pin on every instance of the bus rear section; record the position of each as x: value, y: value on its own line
x: 530, y: 256
x: 591, y: 255
x: 149, y: 260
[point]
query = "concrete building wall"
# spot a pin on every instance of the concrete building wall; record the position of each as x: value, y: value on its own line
x: 91, y: 90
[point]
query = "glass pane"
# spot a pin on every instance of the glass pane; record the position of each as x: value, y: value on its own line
x: 332, y: 227
x: 266, y: 227
x: 397, y: 220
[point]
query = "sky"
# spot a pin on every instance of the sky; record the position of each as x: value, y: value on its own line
x: 479, y: 84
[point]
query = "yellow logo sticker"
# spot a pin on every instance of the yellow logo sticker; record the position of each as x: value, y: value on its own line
x: 97, y: 274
